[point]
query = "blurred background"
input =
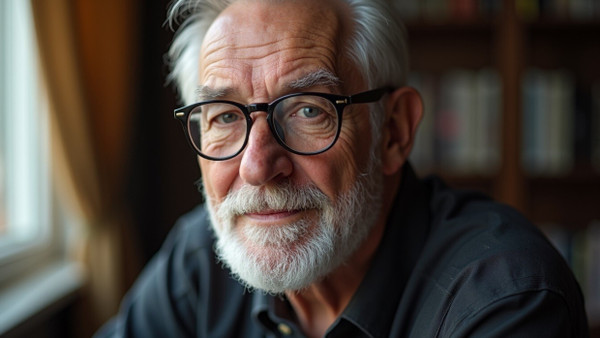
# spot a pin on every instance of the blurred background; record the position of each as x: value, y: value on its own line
x: 94, y: 170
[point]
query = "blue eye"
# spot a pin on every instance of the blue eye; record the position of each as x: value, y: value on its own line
x: 227, y: 118
x: 310, y: 111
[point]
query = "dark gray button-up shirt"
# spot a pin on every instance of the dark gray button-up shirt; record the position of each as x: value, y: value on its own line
x: 451, y: 264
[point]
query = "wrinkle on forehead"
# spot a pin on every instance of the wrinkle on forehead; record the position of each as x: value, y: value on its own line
x: 318, y: 78
x: 262, y: 43
x: 260, y: 49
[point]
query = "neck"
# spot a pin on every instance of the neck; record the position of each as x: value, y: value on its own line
x: 318, y: 306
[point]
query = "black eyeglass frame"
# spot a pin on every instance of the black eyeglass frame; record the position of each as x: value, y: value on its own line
x: 339, y: 101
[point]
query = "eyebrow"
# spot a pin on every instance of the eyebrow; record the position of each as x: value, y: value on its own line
x: 318, y: 78
x: 208, y: 93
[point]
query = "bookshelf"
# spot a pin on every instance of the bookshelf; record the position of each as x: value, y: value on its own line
x: 546, y: 55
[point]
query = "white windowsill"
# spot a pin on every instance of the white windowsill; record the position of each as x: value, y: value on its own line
x: 37, y: 293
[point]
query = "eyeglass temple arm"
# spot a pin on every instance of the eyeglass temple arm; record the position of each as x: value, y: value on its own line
x: 371, y: 95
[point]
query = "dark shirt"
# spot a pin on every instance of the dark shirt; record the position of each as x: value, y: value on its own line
x: 450, y: 264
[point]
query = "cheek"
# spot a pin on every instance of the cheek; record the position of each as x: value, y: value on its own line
x: 218, y: 177
x: 355, y: 139
x: 336, y: 170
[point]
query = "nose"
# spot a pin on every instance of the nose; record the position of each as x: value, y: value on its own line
x: 264, y: 160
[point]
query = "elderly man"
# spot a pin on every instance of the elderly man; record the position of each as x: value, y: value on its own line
x: 314, y: 222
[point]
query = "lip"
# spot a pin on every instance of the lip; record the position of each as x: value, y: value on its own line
x: 272, y: 215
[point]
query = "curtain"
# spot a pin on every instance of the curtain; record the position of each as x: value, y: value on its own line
x: 87, y: 57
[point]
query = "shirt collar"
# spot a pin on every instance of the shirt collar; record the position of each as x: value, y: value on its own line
x: 271, y: 312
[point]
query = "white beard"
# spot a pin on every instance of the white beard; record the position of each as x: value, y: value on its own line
x: 292, y: 256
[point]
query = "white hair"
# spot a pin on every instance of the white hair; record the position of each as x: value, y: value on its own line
x: 377, y: 45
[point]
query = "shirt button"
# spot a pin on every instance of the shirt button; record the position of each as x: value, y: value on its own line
x: 284, y: 329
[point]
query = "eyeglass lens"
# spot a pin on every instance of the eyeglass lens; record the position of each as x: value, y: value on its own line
x: 304, y: 123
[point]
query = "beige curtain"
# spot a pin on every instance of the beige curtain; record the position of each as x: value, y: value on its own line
x: 87, y: 58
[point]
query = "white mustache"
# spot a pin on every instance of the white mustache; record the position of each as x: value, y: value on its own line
x: 283, y: 197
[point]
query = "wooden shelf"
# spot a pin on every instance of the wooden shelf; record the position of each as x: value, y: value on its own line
x: 462, y: 44
x: 512, y: 46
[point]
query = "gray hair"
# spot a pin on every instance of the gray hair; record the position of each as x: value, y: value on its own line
x: 377, y: 45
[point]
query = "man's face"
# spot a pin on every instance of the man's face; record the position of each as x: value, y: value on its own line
x: 285, y: 216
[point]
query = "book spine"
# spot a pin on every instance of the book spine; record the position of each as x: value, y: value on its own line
x: 454, y: 125
x: 464, y: 9
x: 595, y: 126
x: 531, y: 83
x: 548, y: 122
x: 488, y: 122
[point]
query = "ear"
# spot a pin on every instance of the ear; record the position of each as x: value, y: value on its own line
x: 403, y: 111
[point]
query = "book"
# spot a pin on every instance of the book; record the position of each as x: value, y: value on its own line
x: 527, y: 10
x: 560, y: 137
x: 595, y: 126
x: 582, y: 10
x: 548, y: 122
x: 456, y: 122
x: 533, y: 90
x: 461, y: 127
x: 488, y: 122
x: 464, y: 9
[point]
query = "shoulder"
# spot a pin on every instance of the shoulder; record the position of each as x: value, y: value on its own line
x: 191, y: 231
x: 481, y: 256
x: 469, y: 226
x: 165, y: 297
x: 186, y: 254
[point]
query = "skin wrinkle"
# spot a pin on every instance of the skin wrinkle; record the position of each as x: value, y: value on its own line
x: 233, y: 92
x: 289, y: 42
x: 308, y: 44
x: 263, y: 60
x: 349, y: 139
x: 313, y: 49
x: 213, y: 55
x: 310, y: 81
x: 313, y: 43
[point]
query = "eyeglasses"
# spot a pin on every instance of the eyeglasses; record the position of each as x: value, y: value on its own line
x: 302, y: 123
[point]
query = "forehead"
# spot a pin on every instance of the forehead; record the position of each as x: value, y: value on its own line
x: 265, y: 43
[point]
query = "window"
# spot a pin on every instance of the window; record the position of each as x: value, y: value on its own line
x: 24, y: 170
x: 36, y: 277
